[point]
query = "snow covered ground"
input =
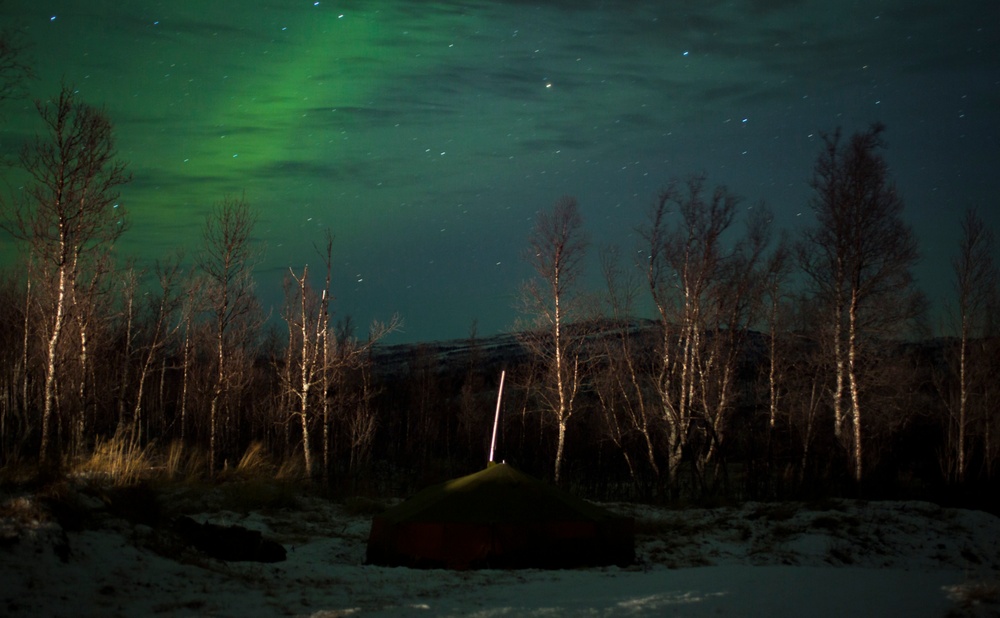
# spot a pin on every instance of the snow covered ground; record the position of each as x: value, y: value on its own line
x: 838, y: 558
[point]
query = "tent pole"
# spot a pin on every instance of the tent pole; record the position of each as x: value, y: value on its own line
x: 496, y: 417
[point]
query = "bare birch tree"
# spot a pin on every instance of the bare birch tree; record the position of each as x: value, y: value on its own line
x: 317, y: 360
x: 352, y: 377
x: 190, y: 306
x: 70, y: 217
x: 622, y: 385
x: 227, y: 263
x: 976, y: 279
x: 735, y: 306
x: 556, y: 248
x: 307, y: 314
x: 91, y: 307
x: 686, y: 279
x: 858, y: 260
x: 161, y: 326
x: 774, y: 287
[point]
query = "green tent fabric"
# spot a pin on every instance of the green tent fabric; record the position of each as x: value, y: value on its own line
x: 499, y: 518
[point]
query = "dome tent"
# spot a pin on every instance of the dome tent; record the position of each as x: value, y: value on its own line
x: 499, y: 518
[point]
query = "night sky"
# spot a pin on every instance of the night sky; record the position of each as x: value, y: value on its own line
x: 426, y: 135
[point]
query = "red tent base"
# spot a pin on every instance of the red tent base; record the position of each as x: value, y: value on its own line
x: 499, y: 518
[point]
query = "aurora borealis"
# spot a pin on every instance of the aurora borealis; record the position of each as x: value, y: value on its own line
x: 426, y: 135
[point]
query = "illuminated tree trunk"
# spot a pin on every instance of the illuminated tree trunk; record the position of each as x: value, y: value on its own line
x: 325, y: 396
x: 307, y: 315
x: 699, y: 285
x: 306, y: 362
x: 858, y: 259
x: 81, y: 415
x: 976, y: 280
x: 51, y: 350
x: 852, y: 376
x: 556, y: 250
x: 69, y: 212
x: 839, y: 363
x: 185, y: 376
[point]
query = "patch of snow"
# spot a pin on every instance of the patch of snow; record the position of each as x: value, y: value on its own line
x: 838, y: 559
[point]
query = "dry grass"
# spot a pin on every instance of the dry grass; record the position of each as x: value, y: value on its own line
x: 975, y: 598
x: 123, y: 460
x: 120, y: 460
x: 17, y: 512
x: 131, y: 480
x: 183, y: 464
x: 291, y: 470
x: 255, y: 463
x: 259, y: 482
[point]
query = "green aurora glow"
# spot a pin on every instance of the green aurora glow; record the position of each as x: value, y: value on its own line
x: 426, y: 135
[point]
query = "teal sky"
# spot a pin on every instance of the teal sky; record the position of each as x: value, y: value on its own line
x: 426, y: 135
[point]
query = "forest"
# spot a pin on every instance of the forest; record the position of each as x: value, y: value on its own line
x: 770, y: 366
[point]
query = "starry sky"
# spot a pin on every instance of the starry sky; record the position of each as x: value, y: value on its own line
x: 426, y: 135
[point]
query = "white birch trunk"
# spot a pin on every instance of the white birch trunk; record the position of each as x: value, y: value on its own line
x: 50, y: 365
x: 853, y: 382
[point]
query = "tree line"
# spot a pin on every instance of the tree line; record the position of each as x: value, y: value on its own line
x: 775, y: 362
x: 772, y: 363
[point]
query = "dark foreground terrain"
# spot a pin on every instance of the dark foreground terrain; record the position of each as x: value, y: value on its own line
x: 81, y: 550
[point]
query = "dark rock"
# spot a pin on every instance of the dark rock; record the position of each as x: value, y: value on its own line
x: 229, y: 543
